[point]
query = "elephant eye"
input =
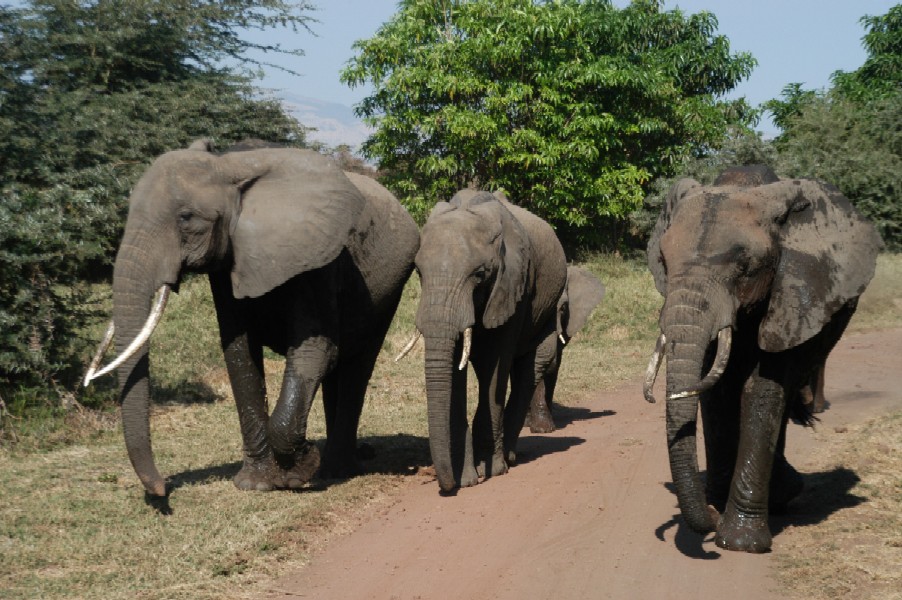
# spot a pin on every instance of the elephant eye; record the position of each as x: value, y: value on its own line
x: 185, y: 216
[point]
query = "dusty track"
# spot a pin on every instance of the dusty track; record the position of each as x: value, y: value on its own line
x: 588, y: 513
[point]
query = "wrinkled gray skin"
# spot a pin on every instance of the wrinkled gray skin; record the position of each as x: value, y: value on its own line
x: 490, y: 265
x: 581, y: 295
x: 302, y: 258
x: 782, y: 264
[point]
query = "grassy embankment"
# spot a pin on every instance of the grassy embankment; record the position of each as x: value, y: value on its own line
x: 73, y: 522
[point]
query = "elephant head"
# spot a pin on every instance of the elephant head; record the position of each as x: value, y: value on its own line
x: 263, y: 215
x: 581, y: 295
x: 473, y: 264
x: 782, y: 255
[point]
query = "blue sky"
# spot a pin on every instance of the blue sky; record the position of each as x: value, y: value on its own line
x: 793, y: 40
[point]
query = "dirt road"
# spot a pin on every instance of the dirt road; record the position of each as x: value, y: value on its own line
x: 588, y: 513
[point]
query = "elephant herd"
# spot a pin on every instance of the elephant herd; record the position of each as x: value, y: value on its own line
x: 759, y: 276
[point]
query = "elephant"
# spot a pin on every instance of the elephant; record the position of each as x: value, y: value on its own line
x: 583, y: 292
x: 301, y: 257
x: 759, y: 282
x: 491, y: 275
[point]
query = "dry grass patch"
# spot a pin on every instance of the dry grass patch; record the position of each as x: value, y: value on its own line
x: 856, y: 552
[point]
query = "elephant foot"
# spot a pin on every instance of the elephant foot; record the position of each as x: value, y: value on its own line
x: 539, y: 420
x: 469, y: 477
x: 299, y: 468
x: 743, y: 534
x: 541, y: 424
x: 492, y: 466
x: 261, y: 475
x: 340, y: 465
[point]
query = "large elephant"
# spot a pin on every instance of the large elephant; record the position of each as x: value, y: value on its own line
x: 301, y: 258
x: 759, y: 283
x: 491, y: 275
x: 582, y: 294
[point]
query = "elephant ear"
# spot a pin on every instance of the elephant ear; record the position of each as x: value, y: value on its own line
x: 513, y: 253
x: 297, y: 212
x: 583, y: 293
x: 828, y: 256
x: 675, y: 194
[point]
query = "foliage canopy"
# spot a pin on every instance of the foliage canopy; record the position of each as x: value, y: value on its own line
x: 90, y: 92
x: 570, y: 106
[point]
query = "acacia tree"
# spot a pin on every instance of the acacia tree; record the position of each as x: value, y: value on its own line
x: 90, y: 92
x: 570, y: 106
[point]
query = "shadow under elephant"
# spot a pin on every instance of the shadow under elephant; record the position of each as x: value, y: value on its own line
x: 824, y: 494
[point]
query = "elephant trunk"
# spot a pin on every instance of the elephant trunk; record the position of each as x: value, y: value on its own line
x: 439, y: 371
x: 689, y: 324
x: 445, y: 313
x: 134, y: 284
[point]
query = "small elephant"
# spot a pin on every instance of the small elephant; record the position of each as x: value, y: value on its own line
x: 581, y: 295
x: 759, y: 282
x: 492, y: 274
x: 301, y: 257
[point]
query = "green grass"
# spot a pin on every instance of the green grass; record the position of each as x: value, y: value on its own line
x: 73, y: 519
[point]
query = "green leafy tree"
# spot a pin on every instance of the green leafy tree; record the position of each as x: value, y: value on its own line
x: 90, y: 92
x: 849, y: 135
x: 570, y: 106
x: 881, y: 73
x: 856, y: 147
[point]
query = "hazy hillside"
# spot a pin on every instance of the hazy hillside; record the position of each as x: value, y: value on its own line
x: 334, y: 123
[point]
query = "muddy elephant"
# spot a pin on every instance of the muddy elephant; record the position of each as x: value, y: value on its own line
x: 491, y: 275
x: 301, y: 258
x: 759, y: 282
x: 583, y: 292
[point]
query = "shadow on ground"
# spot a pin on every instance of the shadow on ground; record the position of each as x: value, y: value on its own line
x: 824, y: 494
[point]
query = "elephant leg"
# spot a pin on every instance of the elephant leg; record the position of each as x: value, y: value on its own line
x: 344, y: 391
x: 488, y: 422
x: 244, y: 363
x: 820, y: 402
x: 720, y: 421
x: 539, y: 418
x: 305, y: 368
x: 786, y: 482
x: 743, y: 525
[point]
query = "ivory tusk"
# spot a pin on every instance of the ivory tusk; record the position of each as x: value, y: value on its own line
x: 468, y: 343
x: 413, y: 341
x: 152, y: 321
x: 654, y: 365
x: 561, y: 337
x: 101, y: 350
x: 724, y: 343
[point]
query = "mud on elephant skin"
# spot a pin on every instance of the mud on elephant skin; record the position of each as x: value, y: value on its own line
x: 583, y: 292
x: 301, y: 258
x: 759, y: 282
x: 491, y: 275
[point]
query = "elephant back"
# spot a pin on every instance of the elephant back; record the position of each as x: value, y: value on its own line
x: 385, y: 238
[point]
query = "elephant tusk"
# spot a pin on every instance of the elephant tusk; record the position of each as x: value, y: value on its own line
x: 152, y: 321
x: 101, y: 350
x: 654, y: 365
x: 409, y: 346
x: 724, y: 343
x: 468, y: 343
x: 561, y: 337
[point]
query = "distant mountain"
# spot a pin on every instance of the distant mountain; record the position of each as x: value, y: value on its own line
x: 334, y: 123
